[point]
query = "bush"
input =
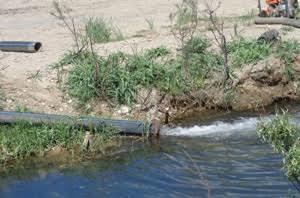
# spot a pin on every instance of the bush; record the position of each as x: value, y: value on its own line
x: 199, y: 59
x: 22, y: 140
x: 243, y: 51
x: 117, y: 77
x: 279, y: 132
x: 292, y: 161
x: 284, y: 138
x: 98, y: 30
x: 287, y: 51
x: 101, y: 31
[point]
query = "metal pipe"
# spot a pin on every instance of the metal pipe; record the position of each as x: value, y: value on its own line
x: 126, y: 127
x: 20, y: 46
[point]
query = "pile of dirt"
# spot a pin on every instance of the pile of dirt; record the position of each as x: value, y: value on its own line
x: 265, y: 83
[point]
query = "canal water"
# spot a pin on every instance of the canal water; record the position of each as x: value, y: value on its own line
x: 216, y: 158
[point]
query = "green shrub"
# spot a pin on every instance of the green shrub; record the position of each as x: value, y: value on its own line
x: 196, y: 45
x: 81, y: 81
x: 284, y: 138
x: 287, y: 51
x: 23, y: 139
x: 199, y: 59
x: 292, y: 161
x: 279, y: 132
x: 99, y: 30
x: 243, y: 51
x: 117, y: 77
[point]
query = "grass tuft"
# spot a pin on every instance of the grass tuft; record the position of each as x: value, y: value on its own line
x: 98, y: 30
x: 102, y: 31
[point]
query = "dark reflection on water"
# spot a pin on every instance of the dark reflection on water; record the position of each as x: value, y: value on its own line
x: 235, y: 166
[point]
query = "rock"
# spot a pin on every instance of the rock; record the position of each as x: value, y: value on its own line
x: 124, y: 110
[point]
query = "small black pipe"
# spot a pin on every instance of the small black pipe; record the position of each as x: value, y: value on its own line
x: 126, y: 127
x: 20, y: 46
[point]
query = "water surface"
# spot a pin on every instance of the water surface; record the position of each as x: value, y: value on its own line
x: 217, y: 159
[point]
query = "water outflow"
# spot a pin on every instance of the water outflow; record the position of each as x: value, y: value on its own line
x: 218, y: 127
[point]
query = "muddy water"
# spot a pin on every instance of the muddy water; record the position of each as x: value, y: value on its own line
x: 219, y: 158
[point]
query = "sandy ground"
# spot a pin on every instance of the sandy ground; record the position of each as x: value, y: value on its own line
x: 31, y: 20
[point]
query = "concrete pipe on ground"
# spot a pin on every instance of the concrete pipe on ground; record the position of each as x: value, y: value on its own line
x: 277, y: 20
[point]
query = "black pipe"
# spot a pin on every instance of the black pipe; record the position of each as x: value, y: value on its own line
x: 20, y: 46
x: 126, y: 127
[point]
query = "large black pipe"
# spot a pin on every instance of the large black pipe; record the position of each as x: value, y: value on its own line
x: 20, y: 46
x: 126, y: 127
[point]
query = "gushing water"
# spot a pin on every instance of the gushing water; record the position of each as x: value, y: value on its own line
x: 223, y: 127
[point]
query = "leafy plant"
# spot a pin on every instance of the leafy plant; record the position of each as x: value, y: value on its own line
x: 285, y: 139
x: 279, y: 132
x: 244, y: 51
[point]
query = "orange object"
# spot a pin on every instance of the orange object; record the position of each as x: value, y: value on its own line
x: 270, y: 2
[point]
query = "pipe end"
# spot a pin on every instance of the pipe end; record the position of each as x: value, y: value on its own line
x: 155, y: 127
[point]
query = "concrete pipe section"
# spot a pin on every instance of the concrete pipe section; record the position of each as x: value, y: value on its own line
x: 126, y: 127
x: 277, y: 20
x: 20, y: 46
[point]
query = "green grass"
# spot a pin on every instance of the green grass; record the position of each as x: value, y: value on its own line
x: 119, y: 76
x: 24, y: 140
x: 287, y: 51
x: 21, y: 108
x: 285, y: 139
x: 248, y: 51
x: 245, y: 51
x: 102, y: 31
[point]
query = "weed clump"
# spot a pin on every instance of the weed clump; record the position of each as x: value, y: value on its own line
x: 22, y: 140
x: 285, y: 139
x: 119, y: 76
x: 102, y: 31
x: 98, y: 30
x: 245, y: 51
x: 116, y: 77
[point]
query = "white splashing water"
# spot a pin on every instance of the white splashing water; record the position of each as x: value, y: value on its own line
x: 226, y: 128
